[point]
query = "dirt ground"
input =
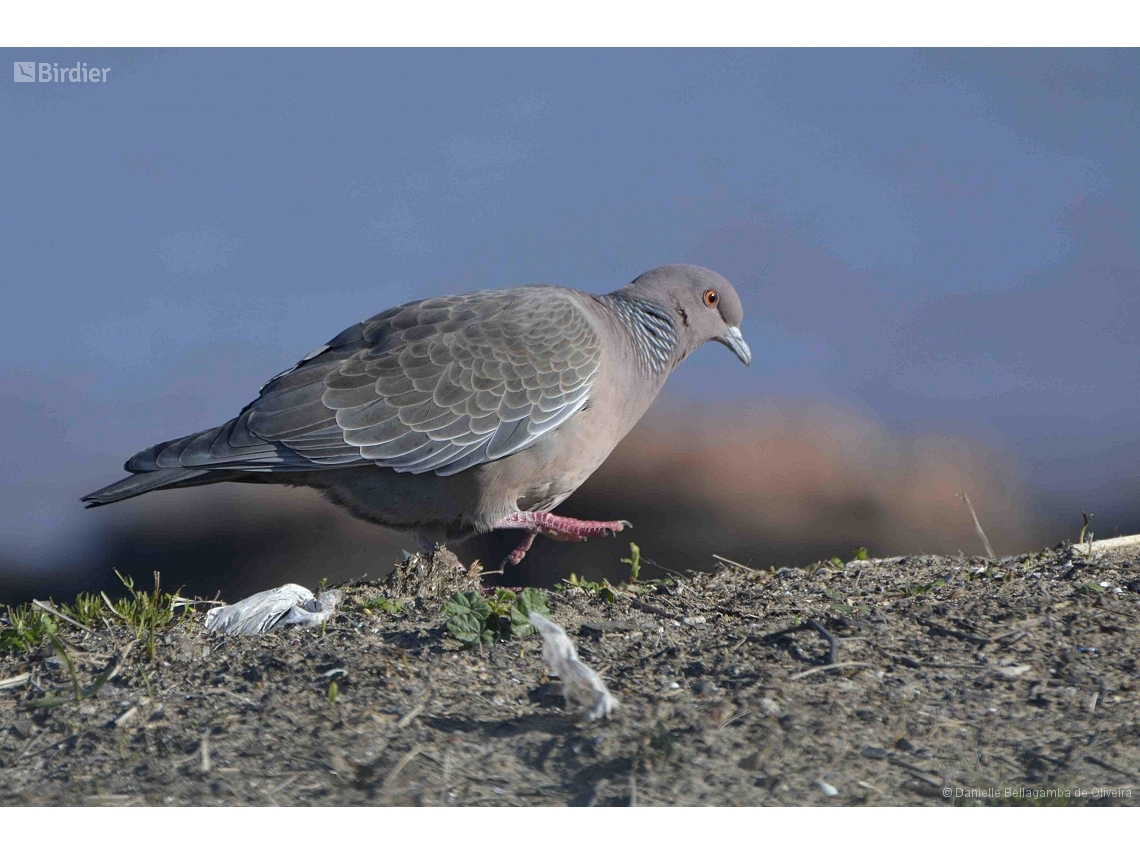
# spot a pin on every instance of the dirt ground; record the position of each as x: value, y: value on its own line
x: 954, y: 681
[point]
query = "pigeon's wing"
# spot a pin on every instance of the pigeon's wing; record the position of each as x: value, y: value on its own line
x: 434, y: 386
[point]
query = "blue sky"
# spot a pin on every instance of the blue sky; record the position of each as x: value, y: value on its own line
x: 943, y: 241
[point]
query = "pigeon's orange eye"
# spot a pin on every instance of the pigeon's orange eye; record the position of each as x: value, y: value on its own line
x: 711, y: 298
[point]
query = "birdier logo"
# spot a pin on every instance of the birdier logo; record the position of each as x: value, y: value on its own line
x: 50, y: 72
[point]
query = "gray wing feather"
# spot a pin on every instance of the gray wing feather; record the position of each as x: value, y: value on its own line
x: 435, y: 386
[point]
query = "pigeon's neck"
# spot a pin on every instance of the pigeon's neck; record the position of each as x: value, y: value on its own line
x: 651, y: 328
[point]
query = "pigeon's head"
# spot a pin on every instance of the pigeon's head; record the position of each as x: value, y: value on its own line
x: 704, y: 306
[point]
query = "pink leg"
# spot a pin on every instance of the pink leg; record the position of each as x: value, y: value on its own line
x: 558, y: 528
x: 519, y: 552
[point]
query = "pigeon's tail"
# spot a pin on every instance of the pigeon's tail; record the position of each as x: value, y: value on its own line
x: 144, y: 482
x: 228, y: 452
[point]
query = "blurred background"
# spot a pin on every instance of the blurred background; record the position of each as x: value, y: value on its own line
x: 938, y: 253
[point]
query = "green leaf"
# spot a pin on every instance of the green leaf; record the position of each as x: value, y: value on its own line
x: 469, y: 603
x: 468, y: 628
x: 530, y: 600
x: 469, y: 615
x: 860, y: 554
x: 501, y: 603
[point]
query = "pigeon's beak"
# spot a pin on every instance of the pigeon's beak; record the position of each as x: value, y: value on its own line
x: 734, y: 341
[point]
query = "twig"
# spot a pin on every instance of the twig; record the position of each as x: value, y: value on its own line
x: 446, y: 775
x: 406, y: 718
x: 813, y: 624
x: 652, y: 609
x: 1096, y: 761
x: 205, y: 750
x: 977, y: 525
x: 921, y: 774
x: 732, y: 563
x: 235, y: 696
x: 1020, y: 627
x: 390, y: 778
x: 44, y: 607
x: 18, y: 680
x: 288, y: 780
x: 832, y: 667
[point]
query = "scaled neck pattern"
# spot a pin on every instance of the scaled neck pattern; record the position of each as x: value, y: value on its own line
x: 651, y: 328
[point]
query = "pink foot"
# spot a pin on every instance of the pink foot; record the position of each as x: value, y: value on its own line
x: 557, y: 528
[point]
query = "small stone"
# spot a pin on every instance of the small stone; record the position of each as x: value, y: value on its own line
x: 905, y: 744
x: 768, y: 707
x: 827, y: 789
x: 751, y: 763
x: 696, y: 620
x: 1013, y: 672
x: 873, y: 752
x: 23, y: 728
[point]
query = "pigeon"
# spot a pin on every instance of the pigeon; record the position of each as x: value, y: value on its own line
x: 455, y: 416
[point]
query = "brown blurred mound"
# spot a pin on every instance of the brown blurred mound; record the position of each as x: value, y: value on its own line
x: 771, y: 484
x: 787, y: 484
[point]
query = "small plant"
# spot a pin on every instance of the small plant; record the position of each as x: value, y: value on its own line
x: 842, y: 604
x: 918, y: 590
x: 602, y: 589
x: 860, y: 554
x: 482, y: 621
x: 24, y: 629
x: 145, y: 613
x: 1085, y: 529
x: 634, y: 562
x: 87, y: 609
x: 392, y: 607
x: 605, y: 590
